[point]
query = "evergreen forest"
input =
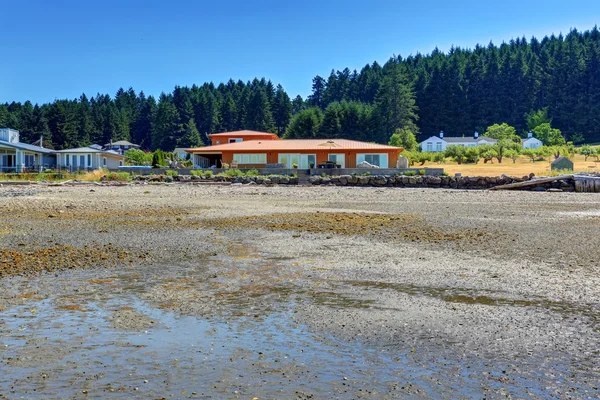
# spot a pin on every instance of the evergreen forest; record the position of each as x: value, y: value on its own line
x: 459, y: 92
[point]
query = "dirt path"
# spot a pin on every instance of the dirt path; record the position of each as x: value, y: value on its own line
x: 245, y: 291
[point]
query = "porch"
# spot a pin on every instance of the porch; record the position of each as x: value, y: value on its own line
x: 16, y: 160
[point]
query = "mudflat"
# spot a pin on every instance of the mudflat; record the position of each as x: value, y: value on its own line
x: 243, y: 291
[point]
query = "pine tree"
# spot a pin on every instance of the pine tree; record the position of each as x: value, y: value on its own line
x: 395, y: 102
x: 282, y: 110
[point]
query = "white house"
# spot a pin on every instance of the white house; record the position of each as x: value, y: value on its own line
x: 18, y: 157
x: 438, y: 144
x: 87, y: 158
x: 531, y: 142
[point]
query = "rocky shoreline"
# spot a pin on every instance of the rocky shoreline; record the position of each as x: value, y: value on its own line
x: 408, y: 181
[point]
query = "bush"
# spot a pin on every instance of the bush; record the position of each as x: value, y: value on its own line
x: 232, y: 173
x: 118, y: 176
x: 439, y: 157
x: 410, y: 173
x: 472, y: 155
x: 445, y: 173
x: 456, y: 152
x: 253, y: 172
x: 422, y: 172
x: 171, y: 172
x: 366, y: 173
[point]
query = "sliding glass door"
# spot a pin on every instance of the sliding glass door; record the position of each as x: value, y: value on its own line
x: 302, y: 161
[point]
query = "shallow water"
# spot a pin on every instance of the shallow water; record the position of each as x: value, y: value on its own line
x: 69, y: 345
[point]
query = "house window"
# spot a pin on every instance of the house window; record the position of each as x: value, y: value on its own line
x: 67, y: 160
x: 218, y: 142
x: 260, y: 158
x: 338, y: 159
x: 438, y: 147
x: 104, y: 161
x: 429, y: 146
x: 381, y: 159
x: 29, y: 160
x: 89, y: 157
x: 82, y: 161
x: 120, y: 163
x: 235, y: 140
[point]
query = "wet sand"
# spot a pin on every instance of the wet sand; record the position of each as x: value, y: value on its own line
x: 298, y: 292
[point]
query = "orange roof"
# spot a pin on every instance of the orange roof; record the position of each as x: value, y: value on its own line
x: 294, y: 145
x: 242, y: 133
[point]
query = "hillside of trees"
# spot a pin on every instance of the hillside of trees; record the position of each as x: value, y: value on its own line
x: 459, y: 92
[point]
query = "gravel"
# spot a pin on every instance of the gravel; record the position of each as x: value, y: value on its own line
x: 298, y: 292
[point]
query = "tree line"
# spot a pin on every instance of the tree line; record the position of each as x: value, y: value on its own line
x: 459, y: 92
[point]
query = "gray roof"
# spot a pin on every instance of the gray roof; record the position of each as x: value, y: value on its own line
x: 88, y: 150
x: 121, y: 143
x: 467, y: 139
x: 28, y: 147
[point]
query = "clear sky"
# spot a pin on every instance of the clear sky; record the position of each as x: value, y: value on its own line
x: 62, y: 48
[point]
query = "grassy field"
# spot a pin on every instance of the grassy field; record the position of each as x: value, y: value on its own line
x: 522, y: 167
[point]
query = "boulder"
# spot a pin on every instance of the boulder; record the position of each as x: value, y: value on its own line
x: 315, y: 180
x: 379, y: 180
x: 434, y: 180
x: 363, y: 180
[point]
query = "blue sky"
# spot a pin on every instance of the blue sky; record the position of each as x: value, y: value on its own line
x: 60, y: 49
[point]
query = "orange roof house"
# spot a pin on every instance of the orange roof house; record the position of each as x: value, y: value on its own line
x: 249, y: 149
x: 239, y: 136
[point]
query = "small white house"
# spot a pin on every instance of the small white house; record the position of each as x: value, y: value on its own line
x: 531, y: 142
x: 439, y: 144
x: 88, y: 158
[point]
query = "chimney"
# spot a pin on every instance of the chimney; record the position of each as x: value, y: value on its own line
x: 42, y: 141
x: 529, y: 135
x: 476, y: 134
x: 442, y: 134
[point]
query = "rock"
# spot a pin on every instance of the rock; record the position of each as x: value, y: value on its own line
x: 315, y: 180
x: 344, y: 179
x: 554, y: 190
x: 412, y: 180
x: 379, y: 180
x: 275, y: 179
x: 353, y: 180
x: 284, y: 180
x: 434, y: 180
x: 363, y: 180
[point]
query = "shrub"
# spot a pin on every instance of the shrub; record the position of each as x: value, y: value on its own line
x: 445, y: 173
x: 512, y: 154
x: 472, y: 155
x: 232, y: 173
x: 410, y: 173
x: 366, y: 173
x: 456, y: 152
x: 118, y: 176
x: 422, y: 172
x: 208, y: 174
x: 439, y: 157
x: 252, y: 172
x: 171, y: 172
